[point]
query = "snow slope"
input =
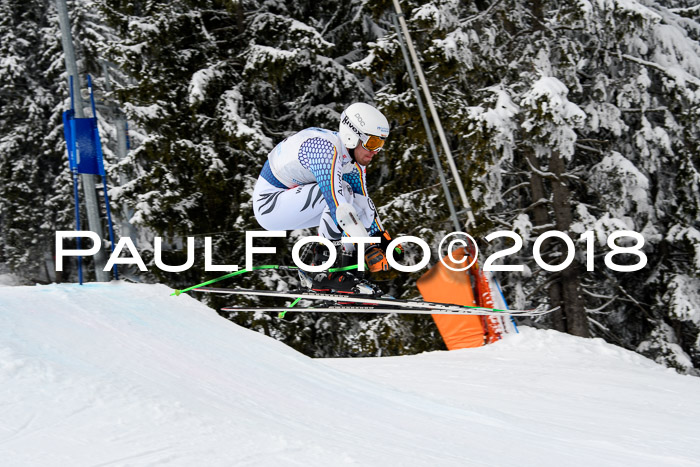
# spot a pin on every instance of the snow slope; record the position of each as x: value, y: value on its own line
x: 125, y: 374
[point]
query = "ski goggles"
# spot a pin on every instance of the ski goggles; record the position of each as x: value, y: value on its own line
x: 373, y: 143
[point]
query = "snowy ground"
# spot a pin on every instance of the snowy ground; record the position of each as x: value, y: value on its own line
x: 124, y: 374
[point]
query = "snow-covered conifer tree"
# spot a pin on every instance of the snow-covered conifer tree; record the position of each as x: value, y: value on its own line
x: 577, y: 117
x: 31, y: 143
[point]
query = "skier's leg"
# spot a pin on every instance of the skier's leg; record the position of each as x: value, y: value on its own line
x: 303, y: 207
x: 348, y: 254
x: 287, y: 209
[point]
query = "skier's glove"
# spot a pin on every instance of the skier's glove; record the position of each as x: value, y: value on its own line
x: 384, y: 244
x: 375, y: 259
x: 375, y: 255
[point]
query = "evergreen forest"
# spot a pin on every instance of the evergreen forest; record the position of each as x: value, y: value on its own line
x: 579, y: 116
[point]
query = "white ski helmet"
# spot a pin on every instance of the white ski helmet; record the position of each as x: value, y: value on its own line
x: 362, y: 123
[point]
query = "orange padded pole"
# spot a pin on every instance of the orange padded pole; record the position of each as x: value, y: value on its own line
x: 440, y: 284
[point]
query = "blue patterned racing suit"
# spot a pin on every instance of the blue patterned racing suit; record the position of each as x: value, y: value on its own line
x: 306, y: 177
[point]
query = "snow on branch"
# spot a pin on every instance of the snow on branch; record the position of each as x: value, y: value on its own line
x: 483, y: 14
x: 675, y: 73
x: 200, y: 80
x: 683, y: 297
x: 691, y: 235
x: 551, y: 117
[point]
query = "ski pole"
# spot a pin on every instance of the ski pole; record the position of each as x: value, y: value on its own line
x: 282, y: 313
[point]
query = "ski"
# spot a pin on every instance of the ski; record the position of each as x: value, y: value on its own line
x: 369, y: 304
x: 345, y: 309
x: 372, y: 309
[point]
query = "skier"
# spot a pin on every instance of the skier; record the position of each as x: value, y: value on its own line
x: 317, y: 165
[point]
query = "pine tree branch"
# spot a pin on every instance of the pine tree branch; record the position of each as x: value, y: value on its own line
x: 660, y: 68
x: 589, y: 148
x: 547, y: 175
x: 330, y: 21
x: 591, y: 140
x: 595, y: 295
x: 602, y: 307
x: 497, y: 221
x: 516, y: 187
x: 688, y: 10
x: 539, y: 202
x: 656, y: 109
x: 544, y: 285
x: 544, y: 227
x: 481, y: 15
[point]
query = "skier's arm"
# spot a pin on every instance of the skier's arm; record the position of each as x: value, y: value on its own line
x: 321, y: 157
x: 375, y: 255
x: 358, y: 182
x: 356, y: 179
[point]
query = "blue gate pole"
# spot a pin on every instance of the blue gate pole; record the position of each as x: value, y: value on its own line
x: 103, y: 174
x: 77, y: 224
x: 70, y: 122
x: 92, y: 210
x: 109, y: 223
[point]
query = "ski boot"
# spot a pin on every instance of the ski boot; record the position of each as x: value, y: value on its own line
x: 344, y: 282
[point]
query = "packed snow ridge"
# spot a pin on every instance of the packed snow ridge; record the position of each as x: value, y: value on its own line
x: 125, y: 374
